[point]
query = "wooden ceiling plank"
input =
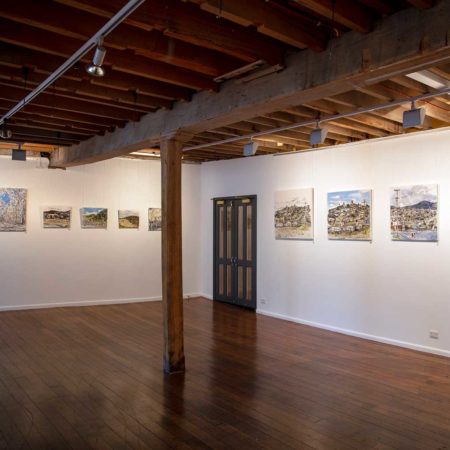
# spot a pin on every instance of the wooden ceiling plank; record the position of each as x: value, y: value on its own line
x: 346, y: 12
x: 76, y: 26
x: 15, y: 56
x: 46, y: 126
x: 68, y: 104
x: 308, y: 77
x: 423, y: 4
x: 290, y: 29
x: 84, y: 87
x: 189, y: 23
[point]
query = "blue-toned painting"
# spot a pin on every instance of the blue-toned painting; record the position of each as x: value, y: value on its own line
x: 96, y: 218
x: 349, y: 215
x: 13, y: 209
x: 414, y: 213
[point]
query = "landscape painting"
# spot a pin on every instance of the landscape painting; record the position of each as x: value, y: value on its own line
x: 128, y: 219
x: 414, y: 213
x: 94, y: 218
x: 350, y: 215
x: 154, y: 219
x: 13, y: 209
x: 294, y: 214
x: 56, y: 216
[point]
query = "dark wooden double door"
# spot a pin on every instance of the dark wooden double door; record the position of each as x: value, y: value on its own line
x: 235, y: 250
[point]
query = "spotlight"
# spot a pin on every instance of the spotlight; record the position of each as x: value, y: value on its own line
x: 414, y: 117
x: 95, y: 68
x: 5, y: 133
x: 250, y: 148
x: 318, y: 135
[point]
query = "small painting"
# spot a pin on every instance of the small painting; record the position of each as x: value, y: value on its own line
x: 294, y: 214
x: 414, y: 213
x: 128, y: 219
x: 56, y: 216
x: 154, y: 219
x: 94, y: 218
x: 350, y: 215
x: 13, y: 209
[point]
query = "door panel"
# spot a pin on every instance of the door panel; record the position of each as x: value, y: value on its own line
x: 235, y: 250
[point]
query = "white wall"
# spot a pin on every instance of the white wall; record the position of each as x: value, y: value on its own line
x: 390, y: 291
x: 56, y: 267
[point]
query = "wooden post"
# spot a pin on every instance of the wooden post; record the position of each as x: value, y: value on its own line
x: 172, y: 267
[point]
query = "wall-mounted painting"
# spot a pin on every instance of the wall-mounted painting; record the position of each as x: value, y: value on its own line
x: 94, y: 218
x: 414, y: 213
x: 13, y: 209
x: 350, y: 215
x: 294, y: 214
x: 154, y: 219
x: 128, y: 219
x: 56, y: 216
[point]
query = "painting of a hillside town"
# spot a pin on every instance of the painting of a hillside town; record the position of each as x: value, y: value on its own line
x: 13, y: 209
x: 154, y: 219
x: 349, y: 215
x: 128, y: 219
x: 56, y: 217
x: 414, y: 213
x: 294, y: 214
x: 94, y: 218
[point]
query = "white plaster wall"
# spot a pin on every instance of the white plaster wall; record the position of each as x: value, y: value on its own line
x: 48, y: 267
x: 384, y: 290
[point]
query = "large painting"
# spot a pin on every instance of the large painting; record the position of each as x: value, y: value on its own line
x: 350, y: 215
x: 414, y: 213
x: 56, y: 217
x: 128, y: 219
x: 13, y: 209
x: 294, y: 214
x: 154, y: 219
x: 95, y: 218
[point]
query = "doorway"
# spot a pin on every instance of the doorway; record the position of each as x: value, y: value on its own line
x: 235, y: 250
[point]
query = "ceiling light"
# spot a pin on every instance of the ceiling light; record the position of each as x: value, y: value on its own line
x: 5, y: 133
x: 152, y: 154
x: 95, y: 68
x: 250, y: 148
x: 318, y: 135
x: 414, y: 117
x: 429, y: 79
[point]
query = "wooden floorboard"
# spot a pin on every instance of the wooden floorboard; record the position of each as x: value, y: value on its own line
x: 91, y: 377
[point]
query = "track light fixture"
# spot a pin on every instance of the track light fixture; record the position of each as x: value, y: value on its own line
x: 95, y: 68
x: 5, y: 133
x: 250, y: 148
x: 414, y: 117
x: 318, y: 135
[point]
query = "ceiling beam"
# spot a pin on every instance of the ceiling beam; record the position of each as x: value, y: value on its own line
x: 75, y: 26
x: 424, y: 4
x: 308, y: 77
x: 188, y: 23
x: 291, y: 29
x: 15, y: 56
x: 346, y: 12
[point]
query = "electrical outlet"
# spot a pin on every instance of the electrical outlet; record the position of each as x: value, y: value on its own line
x: 263, y: 301
x: 434, y: 334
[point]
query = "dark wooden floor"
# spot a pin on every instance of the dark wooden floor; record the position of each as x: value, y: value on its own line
x: 91, y: 378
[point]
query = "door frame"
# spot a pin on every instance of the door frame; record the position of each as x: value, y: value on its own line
x: 254, y: 198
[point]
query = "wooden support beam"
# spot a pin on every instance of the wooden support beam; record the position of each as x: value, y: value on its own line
x: 422, y: 3
x: 308, y: 77
x: 346, y: 12
x: 292, y: 29
x: 171, y: 248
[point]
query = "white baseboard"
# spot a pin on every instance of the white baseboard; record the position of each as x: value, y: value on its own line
x: 207, y: 296
x: 371, y: 337
x: 88, y: 303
